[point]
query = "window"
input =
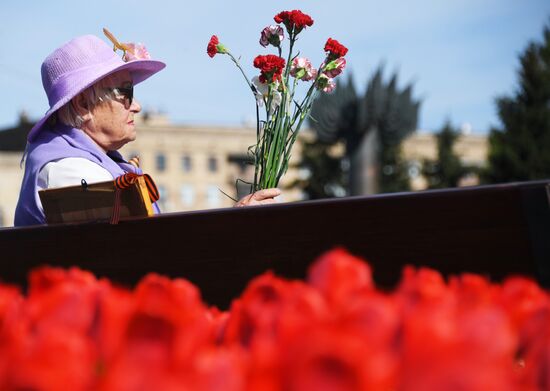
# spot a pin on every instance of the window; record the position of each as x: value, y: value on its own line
x: 187, y: 195
x: 163, y: 200
x: 244, y: 162
x: 414, y: 169
x: 186, y: 165
x: 212, y: 164
x: 212, y: 196
x: 160, y: 162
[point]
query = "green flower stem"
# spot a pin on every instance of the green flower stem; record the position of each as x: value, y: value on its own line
x: 293, y: 89
x: 292, y: 39
x: 275, y: 148
x: 271, y: 155
x: 310, y: 92
x: 252, y: 87
x: 256, y: 156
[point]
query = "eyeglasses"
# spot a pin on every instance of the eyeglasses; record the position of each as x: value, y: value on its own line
x: 127, y: 93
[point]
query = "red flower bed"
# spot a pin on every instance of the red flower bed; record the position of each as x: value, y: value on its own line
x: 335, y: 331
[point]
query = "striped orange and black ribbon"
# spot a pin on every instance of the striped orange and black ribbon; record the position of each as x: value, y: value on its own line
x: 127, y: 180
x: 124, y: 182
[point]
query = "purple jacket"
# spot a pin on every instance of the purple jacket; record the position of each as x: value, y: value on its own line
x: 54, y: 144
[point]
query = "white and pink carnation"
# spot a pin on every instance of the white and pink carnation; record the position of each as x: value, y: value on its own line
x: 302, y: 69
x: 263, y: 92
x: 273, y: 35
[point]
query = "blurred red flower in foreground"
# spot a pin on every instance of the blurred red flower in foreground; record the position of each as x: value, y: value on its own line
x: 336, y: 331
x: 339, y: 276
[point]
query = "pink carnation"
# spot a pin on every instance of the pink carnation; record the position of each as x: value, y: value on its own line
x: 135, y: 51
x: 335, y: 67
x: 325, y: 83
x: 331, y: 85
x: 302, y: 69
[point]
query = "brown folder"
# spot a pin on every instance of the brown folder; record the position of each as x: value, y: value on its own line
x: 94, y: 202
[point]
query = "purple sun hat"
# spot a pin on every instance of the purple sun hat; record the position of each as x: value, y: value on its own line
x: 80, y: 63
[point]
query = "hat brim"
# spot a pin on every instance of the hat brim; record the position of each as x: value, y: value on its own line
x: 139, y: 69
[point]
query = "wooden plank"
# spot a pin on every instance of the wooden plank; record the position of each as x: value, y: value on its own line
x: 492, y: 230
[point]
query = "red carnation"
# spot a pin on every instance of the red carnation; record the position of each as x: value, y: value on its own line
x: 294, y: 20
x: 271, y: 67
x: 335, y: 48
x: 214, y: 47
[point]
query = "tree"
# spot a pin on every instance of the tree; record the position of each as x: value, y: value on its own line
x: 382, y: 118
x: 394, y: 115
x: 325, y: 177
x: 520, y: 149
x: 447, y: 170
x: 332, y: 117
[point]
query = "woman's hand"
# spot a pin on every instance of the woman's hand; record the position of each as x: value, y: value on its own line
x: 261, y: 197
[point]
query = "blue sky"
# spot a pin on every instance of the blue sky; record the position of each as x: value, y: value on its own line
x: 460, y: 54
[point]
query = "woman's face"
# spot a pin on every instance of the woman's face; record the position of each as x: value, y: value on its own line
x: 112, y: 122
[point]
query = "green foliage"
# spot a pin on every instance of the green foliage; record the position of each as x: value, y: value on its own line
x: 385, y: 109
x: 336, y: 116
x: 393, y: 175
x: 326, y: 178
x: 520, y: 149
x: 332, y: 117
x: 394, y: 114
x: 447, y: 170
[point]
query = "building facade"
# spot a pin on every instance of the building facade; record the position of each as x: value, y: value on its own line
x: 12, y: 175
x: 472, y: 150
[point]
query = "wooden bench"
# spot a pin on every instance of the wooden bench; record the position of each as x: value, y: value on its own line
x: 493, y: 230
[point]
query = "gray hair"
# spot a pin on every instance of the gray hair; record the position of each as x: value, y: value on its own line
x: 67, y: 115
x: 92, y: 95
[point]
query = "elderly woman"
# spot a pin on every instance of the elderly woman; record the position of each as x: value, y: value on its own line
x: 90, y: 90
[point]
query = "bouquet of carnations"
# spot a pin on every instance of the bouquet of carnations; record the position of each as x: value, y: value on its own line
x: 275, y: 87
